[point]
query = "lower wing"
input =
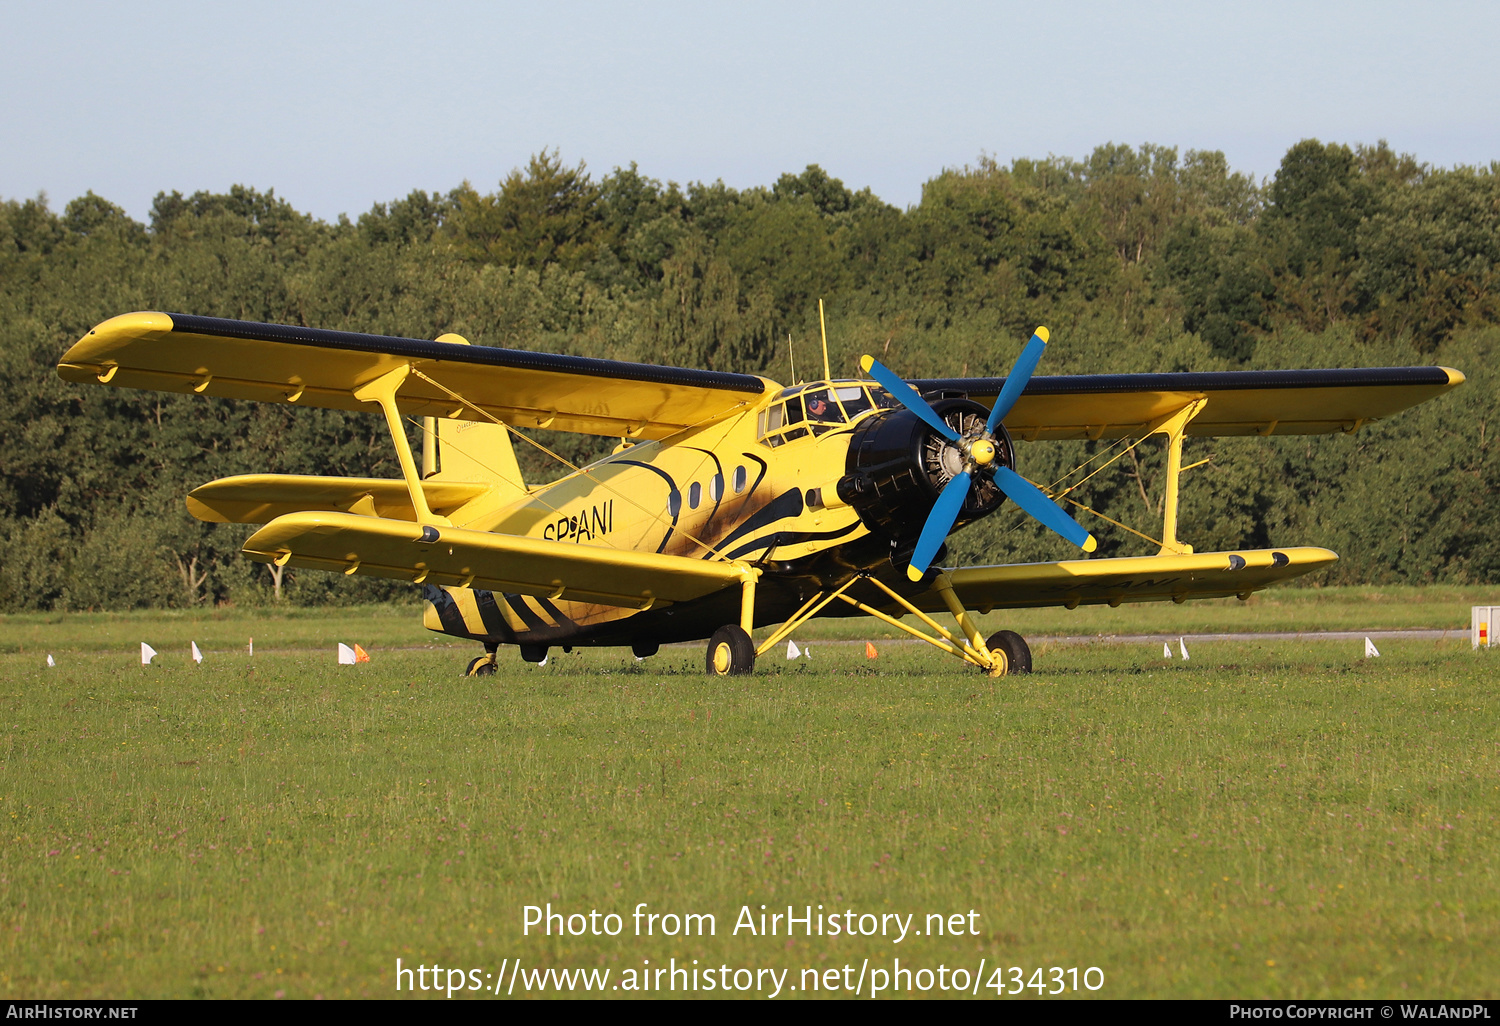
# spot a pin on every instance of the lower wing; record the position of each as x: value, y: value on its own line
x: 1086, y: 582
x: 401, y: 550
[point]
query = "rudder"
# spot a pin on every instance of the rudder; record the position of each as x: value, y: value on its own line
x: 467, y: 450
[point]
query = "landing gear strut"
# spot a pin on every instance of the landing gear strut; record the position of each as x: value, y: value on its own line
x: 730, y: 652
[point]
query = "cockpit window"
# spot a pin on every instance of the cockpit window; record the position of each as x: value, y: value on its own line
x: 823, y: 407
x: 819, y: 408
x: 854, y: 400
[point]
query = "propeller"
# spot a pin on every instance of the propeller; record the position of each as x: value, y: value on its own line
x: 979, y: 454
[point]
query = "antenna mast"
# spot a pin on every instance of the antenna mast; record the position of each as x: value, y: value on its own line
x: 823, y: 327
x: 791, y: 357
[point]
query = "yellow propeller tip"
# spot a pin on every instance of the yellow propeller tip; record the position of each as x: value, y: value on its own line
x: 913, y: 574
x: 1090, y: 544
x: 866, y: 362
x: 1043, y: 334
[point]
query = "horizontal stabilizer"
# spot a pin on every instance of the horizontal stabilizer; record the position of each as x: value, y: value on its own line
x: 456, y: 557
x: 1130, y: 579
x: 261, y: 498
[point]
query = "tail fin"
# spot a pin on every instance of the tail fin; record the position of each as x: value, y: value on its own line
x: 466, y: 450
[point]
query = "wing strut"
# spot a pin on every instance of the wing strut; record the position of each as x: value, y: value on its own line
x: 1174, y: 427
x: 383, y: 391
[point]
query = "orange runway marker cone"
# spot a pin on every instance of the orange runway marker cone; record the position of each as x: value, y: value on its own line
x: 360, y: 655
x: 870, y: 652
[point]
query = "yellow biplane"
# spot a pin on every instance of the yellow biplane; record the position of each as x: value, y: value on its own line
x: 731, y: 503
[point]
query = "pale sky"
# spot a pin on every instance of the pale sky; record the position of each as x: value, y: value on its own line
x: 339, y: 105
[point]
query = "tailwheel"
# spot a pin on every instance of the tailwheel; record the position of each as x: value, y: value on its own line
x: 730, y: 652
x: 1015, y: 650
x: 481, y: 666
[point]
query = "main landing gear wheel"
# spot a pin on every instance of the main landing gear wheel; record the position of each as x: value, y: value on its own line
x: 730, y: 652
x: 1017, y: 653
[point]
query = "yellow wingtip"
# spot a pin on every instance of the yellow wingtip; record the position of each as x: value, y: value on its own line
x: 866, y: 362
x: 913, y: 574
x: 1043, y: 334
x: 1090, y: 544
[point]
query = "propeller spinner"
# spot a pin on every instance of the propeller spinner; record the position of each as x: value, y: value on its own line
x: 978, y: 454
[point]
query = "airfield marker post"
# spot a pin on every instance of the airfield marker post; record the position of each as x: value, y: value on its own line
x: 1482, y: 626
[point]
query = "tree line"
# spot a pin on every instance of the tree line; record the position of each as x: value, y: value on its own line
x: 1138, y: 259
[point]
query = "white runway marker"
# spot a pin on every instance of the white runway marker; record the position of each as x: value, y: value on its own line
x: 1166, y: 650
x: 346, y: 655
x: 50, y: 660
x: 1182, y: 645
x: 792, y: 651
x: 1371, y: 652
x: 197, y: 655
x: 147, y: 654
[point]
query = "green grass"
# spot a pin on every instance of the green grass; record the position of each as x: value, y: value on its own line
x: 1264, y: 820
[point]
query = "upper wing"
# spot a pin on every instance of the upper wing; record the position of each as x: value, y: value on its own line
x: 398, y: 549
x: 1130, y: 579
x: 312, y: 367
x: 1282, y: 402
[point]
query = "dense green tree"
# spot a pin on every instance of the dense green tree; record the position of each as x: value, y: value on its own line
x: 550, y: 214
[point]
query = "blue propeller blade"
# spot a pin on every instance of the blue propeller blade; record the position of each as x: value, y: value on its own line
x: 907, y: 396
x: 1031, y: 498
x: 1016, y: 380
x: 939, y: 522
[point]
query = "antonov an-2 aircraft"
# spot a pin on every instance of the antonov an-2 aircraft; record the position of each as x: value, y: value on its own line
x: 731, y: 503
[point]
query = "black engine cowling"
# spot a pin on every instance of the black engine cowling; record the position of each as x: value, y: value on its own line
x: 897, y: 466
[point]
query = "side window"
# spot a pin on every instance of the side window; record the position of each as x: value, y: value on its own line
x: 674, y: 503
x: 772, y: 421
x: 695, y: 495
x: 716, y: 488
x: 740, y: 480
x: 794, y: 416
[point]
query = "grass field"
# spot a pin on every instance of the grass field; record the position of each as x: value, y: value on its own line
x: 1268, y: 819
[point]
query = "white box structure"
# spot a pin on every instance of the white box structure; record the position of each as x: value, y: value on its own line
x: 1482, y: 625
